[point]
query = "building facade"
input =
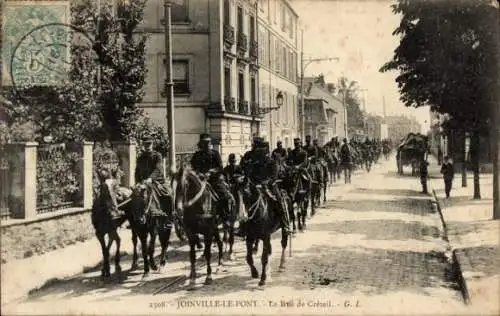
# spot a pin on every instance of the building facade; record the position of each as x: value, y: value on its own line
x: 278, y: 71
x: 324, y: 112
x: 373, y: 126
x: 230, y: 58
x: 215, y: 71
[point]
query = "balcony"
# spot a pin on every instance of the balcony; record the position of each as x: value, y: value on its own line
x: 228, y: 35
x: 254, y: 49
x: 243, y: 107
x: 242, y: 42
x: 255, y: 108
x: 230, y: 103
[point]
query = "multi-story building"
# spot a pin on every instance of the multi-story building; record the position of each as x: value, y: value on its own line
x: 373, y: 126
x: 277, y: 36
x: 230, y: 57
x: 214, y: 52
x: 324, y: 112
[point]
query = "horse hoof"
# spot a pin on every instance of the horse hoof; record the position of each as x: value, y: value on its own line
x: 145, y: 275
x: 281, y: 269
x: 118, y: 270
x: 134, y: 267
x: 255, y: 274
x: 262, y: 283
x: 154, y: 267
x: 208, y: 281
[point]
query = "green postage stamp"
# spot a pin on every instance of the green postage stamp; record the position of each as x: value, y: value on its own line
x: 35, y: 42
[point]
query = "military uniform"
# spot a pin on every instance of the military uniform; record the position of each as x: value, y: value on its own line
x: 204, y: 161
x: 150, y: 166
x: 231, y: 172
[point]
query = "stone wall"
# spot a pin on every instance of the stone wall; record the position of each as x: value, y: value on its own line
x: 38, y: 237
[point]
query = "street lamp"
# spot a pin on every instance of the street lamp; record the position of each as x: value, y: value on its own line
x: 266, y: 110
x: 169, y: 85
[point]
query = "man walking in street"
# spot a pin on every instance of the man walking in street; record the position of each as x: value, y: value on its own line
x: 423, y: 175
x: 448, y: 174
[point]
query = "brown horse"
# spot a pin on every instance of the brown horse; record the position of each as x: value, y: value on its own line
x: 263, y: 219
x: 298, y: 189
x: 193, y: 200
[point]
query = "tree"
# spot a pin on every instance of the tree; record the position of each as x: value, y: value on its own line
x: 444, y: 59
x: 355, y: 117
x: 100, y: 98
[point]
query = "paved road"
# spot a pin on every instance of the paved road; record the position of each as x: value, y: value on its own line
x: 375, y: 248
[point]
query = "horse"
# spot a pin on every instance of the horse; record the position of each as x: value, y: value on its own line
x: 146, y: 224
x: 332, y: 166
x: 193, y: 200
x: 264, y: 218
x: 298, y: 189
x: 104, y: 225
x: 316, y: 181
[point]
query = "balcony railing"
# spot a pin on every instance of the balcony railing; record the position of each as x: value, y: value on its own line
x: 229, y: 34
x: 243, y: 107
x: 242, y: 42
x: 230, y: 103
x: 254, y: 49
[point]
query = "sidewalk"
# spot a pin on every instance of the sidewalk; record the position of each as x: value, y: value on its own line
x: 473, y: 236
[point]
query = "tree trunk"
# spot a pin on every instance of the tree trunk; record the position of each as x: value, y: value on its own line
x: 496, y: 171
x: 475, y: 164
x: 464, y: 162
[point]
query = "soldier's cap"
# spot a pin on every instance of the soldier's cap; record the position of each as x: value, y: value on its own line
x: 205, y: 137
x: 296, y: 140
x: 148, y: 139
x: 279, y: 142
x: 232, y: 156
x: 308, y: 136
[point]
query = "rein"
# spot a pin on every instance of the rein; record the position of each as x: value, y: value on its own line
x: 198, y: 195
x: 255, y: 206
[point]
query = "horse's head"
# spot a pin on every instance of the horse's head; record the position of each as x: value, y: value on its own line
x: 188, y: 188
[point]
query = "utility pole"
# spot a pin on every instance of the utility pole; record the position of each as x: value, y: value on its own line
x: 495, y: 129
x: 169, y: 86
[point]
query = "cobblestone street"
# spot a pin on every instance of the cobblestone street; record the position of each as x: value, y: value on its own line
x: 375, y: 247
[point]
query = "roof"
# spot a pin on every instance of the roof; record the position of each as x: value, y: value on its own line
x: 314, y: 91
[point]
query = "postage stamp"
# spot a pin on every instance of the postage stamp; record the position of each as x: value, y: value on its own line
x: 35, y: 50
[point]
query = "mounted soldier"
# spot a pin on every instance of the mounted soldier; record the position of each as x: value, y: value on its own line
x: 280, y: 156
x: 149, y: 172
x: 207, y: 163
x: 346, y: 160
x: 232, y: 170
x: 310, y: 149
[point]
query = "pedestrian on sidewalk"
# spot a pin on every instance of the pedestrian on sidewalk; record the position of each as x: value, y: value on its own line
x: 423, y: 174
x: 448, y: 174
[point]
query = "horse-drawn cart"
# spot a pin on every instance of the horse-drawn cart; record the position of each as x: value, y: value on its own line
x: 411, y: 151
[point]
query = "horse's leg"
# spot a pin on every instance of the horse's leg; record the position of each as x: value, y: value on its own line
x: 250, y: 242
x: 143, y: 236
x: 192, y: 258
x: 324, y: 192
x: 151, y: 247
x: 164, y: 237
x: 266, y: 251
x: 208, y: 255
x: 116, y: 237
x: 105, y: 256
x: 284, y: 244
x: 134, y: 243
x: 231, y: 243
x: 292, y: 216
x: 218, y: 241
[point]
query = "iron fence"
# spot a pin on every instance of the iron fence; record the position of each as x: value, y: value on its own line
x: 57, y: 177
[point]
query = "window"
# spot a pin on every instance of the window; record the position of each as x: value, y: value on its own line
x: 227, y: 14
x: 241, y: 86
x: 152, y: 86
x: 179, y: 11
x: 240, y: 19
x: 290, y: 25
x: 227, y: 82
x: 286, y: 109
x: 284, y: 68
x: 263, y: 95
x: 334, y: 125
x: 277, y: 55
x: 253, y: 92
x: 252, y: 28
x: 180, y: 76
x: 283, y: 17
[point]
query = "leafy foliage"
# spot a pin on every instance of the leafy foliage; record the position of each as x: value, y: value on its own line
x: 445, y: 58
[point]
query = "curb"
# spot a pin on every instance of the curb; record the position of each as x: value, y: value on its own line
x: 458, y: 259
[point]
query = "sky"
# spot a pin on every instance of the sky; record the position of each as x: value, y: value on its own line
x: 359, y: 33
